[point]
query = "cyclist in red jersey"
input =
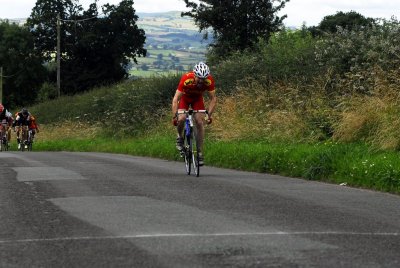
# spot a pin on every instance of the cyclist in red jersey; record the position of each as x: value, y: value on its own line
x: 6, y: 121
x: 190, y: 92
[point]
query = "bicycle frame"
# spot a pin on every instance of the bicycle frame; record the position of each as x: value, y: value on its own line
x: 190, y: 150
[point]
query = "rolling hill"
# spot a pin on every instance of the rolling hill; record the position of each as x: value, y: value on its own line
x: 173, y: 44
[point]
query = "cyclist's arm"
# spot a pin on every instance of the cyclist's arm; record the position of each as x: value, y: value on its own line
x: 212, y: 102
x: 36, y: 126
x: 175, y: 101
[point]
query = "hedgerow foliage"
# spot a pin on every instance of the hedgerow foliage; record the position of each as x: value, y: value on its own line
x: 344, y: 85
x: 288, y: 56
x: 126, y: 109
x: 353, y: 57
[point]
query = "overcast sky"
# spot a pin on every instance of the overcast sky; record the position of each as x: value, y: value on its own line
x: 309, y: 11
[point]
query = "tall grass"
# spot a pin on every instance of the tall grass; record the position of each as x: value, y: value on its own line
x: 275, y: 112
x: 373, y: 118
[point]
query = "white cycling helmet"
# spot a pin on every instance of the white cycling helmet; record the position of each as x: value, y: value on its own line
x: 201, y: 70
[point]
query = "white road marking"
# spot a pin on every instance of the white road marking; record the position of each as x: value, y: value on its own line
x: 60, y: 239
x: 45, y: 173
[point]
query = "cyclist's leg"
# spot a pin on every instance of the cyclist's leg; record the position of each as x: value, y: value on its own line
x: 9, y: 133
x: 182, y: 106
x: 2, y: 132
x: 33, y: 132
x: 25, y: 136
x: 18, y: 132
x: 199, y: 121
x: 180, y: 127
x: 181, y: 122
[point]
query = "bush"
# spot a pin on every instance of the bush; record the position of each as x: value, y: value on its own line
x: 354, y: 56
x: 277, y: 60
x: 289, y: 56
x: 138, y: 103
x: 126, y: 108
x: 48, y: 91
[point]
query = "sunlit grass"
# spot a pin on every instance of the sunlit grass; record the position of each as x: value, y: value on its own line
x: 351, y: 164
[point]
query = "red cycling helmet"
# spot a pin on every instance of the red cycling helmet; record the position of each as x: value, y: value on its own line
x: 1, y: 108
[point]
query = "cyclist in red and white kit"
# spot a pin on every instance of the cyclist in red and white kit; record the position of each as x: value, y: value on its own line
x: 6, y: 121
x: 190, y: 92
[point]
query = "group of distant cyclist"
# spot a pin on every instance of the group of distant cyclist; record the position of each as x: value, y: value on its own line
x: 9, y: 123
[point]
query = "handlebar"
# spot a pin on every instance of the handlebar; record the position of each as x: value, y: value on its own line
x: 190, y: 111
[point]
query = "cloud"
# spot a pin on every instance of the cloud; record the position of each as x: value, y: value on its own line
x: 298, y: 11
x: 313, y: 11
x: 145, y: 5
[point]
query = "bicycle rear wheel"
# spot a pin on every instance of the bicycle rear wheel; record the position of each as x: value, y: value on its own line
x: 187, y: 147
x: 2, y: 145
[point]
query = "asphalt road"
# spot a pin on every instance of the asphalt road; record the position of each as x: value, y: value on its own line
x: 106, y: 210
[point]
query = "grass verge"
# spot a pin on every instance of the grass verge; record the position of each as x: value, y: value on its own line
x: 352, y: 164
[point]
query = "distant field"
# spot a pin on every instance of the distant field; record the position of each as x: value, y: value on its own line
x: 164, y: 20
x: 151, y: 73
x: 173, y: 44
x: 163, y: 61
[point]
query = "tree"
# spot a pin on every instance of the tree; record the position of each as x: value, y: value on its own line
x: 22, y: 66
x: 105, y: 46
x: 43, y: 24
x: 96, y: 50
x: 237, y: 24
x: 349, y: 20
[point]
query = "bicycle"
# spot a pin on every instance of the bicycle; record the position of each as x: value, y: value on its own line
x: 190, y: 148
x: 26, y: 139
x: 4, y: 146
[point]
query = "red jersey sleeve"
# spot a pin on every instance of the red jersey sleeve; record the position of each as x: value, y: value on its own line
x: 209, y: 81
x: 186, y: 80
